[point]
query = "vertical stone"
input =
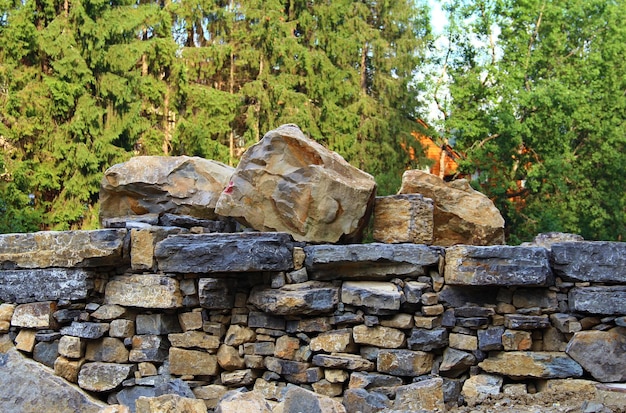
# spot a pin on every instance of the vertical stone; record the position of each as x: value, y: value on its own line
x: 403, y: 218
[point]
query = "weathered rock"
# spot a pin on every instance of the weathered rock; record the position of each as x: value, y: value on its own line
x: 497, y: 265
x: 373, y: 381
x: 121, y: 328
x: 480, y: 385
x: 540, y: 364
x: 461, y: 214
x: 216, y: 293
x: 236, y: 401
x: 601, y: 353
x: 535, y: 297
x: 612, y: 395
x: 311, y: 297
x: 425, y: 395
x: 515, y: 340
x: 68, y: 249
x: 337, y: 341
x: 244, y: 377
x: 146, y: 291
x: 24, y: 382
x: 404, y: 362
x: 30, y: 285
x: 376, y: 296
x: 463, y: 341
x: 609, y: 300
x: 400, y: 320
x: 220, y: 224
x: 108, y: 312
x: 298, y: 400
x: 490, y: 339
x: 229, y: 359
x: 413, y: 291
x: 157, y: 324
x: 287, y: 182
x: 241, y: 252
x: 565, y: 323
x: 25, y: 340
x: 372, y: 261
x: 169, y: 403
x: 285, y: 367
x: 142, y: 243
x: 590, y: 261
x: 526, y: 322
x: 458, y: 295
x: 287, y: 347
x: 360, y: 400
x: 6, y: 313
x: 344, y: 361
x: 379, y: 336
x: 72, y: 347
x: 100, y: 377
x: 428, y: 340
x: 34, y: 315
x: 547, y: 239
x: 68, y: 369
x: 194, y: 339
x: 403, y: 218
x: 149, y: 347
x: 85, y: 330
x: 179, y: 185
x: 211, y: 394
x: 455, y: 362
x: 107, y: 349
x: 237, y: 335
x: 192, y: 362
x: 258, y: 319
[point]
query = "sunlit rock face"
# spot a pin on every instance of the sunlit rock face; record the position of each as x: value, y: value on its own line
x: 461, y: 214
x: 180, y: 185
x: 290, y: 183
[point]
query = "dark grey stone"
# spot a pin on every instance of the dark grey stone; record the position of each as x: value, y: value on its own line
x: 535, y: 297
x: 608, y: 300
x: 373, y: 261
x: 526, y: 322
x: 592, y: 261
x: 185, y: 221
x: 472, y: 322
x: 263, y: 320
x: 311, y: 297
x: 428, y: 340
x: 156, y: 324
x: 601, y: 353
x: 129, y: 395
x: 66, y: 315
x: 497, y: 265
x: 216, y: 293
x: 298, y: 400
x: 473, y: 311
x: 455, y: 362
x: 459, y: 296
x: 373, y: 380
x: 240, y: 252
x: 47, y: 284
x: 46, y: 352
x: 490, y: 339
x: 85, y: 330
x: 360, y: 400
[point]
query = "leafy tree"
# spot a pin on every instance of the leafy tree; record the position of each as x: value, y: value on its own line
x: 539, y: 111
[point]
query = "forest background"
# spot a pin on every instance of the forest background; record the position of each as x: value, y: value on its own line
x: 530, y: 93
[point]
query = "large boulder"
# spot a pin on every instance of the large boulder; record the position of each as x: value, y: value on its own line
x: 461, y: 214
x: 290, y: 183
x: 180, y: 185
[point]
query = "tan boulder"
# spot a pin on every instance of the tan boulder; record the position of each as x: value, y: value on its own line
x: 290, y: 183
x: 180, y: 185
x: 461, y: 214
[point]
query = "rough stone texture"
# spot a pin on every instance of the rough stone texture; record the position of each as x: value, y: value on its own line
x: 108, y: 312
x: 68, y: 369
x: 501, y: 265
x: 192, y: 362
x: 85, y: 330
x: 149, y: 348
x: 374, y: 295
x: 404, y: 362
x: 146, y: 291
x: 403, y: 218
x: 601, y: 353
x: 428, y: 340
x: 241, y: 252
x: 490, y: 339
x: 216, y: 293
x: 526, y: 322
x: 455, y: 362
x: 157, y: 324
x: 590, y: 261
x: 360, y: 400
x: 344, y: 361
x: 337, y: 341
x: 379, y: 336
x: 461, y: 214
x: 179, y: 185
x: 68, y: 249
x: 72, y: 347
x: 34, y: 315
x: 24, y: 382
x: 424, y: 395
x: 100, y: 377
x: 289, y: 183
x: 197, y: 339
x: 236, y: 401
x: 547, y: 365
x: 30, y: 285
x: 369, y: 261
x: 480, y: 385
x: 610, y: 300
x: 169, y: 403
x: 107, y: 349
x: 25, y: 340
x: 237, y: 335
x: 298, y: 400
x: 311, y: 297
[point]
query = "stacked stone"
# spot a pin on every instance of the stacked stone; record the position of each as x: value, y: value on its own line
x: 149, y: 311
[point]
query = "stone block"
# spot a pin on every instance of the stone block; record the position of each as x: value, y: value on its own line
x: 336, y: 375
x: 309, y: 298
x: 192, y: 362
x: 142, y: 249
x: 481, y: 385
x: 605, y: 300
x: 490, y: 339
x: 47, y: 284
x: 379, y: 336
x: 428, y: 323
x: 263, y: 320
x: 403, y: 218
x: 371, y: 261
x: 169, y: 403
x: 86, y: 330
x: 237, y: 335
x: 285, y: 367
x: 404, y: 362
x: 108, y: 312
x: 145, y: 291
x: 565, y: 323
x: 211, y: 394
x: 101, y: 377
x: 423, y: 395
x: 190, y: 321
x: 463, y: 341
x: 68, y: 369
x: 402, y: 321
x: 532, y: 364
x: 244, y: 377
x: 428, y: 339
x: 286, y: 347
x: 156, y: 324
x: 194, y: 339
x: 374, y: 296
x: 535, y: 297
x: 601, y: 353
x: 413, y: 291
x: 216, y: 293
x: 497, y: 266
x: 298, y: 399
x: 148, y: 348
x: 25, y: 340
x: 360, y: 400
x: 107, y: 349
x: 121, y: 328
x: 343, y: 361
x: 211, y: 253
x: 35, y: 315
x: 63, y: 249
x: 72, y: 347
x: 526, y: 322
x: 590, y: 261
x: 515, y: 340
x: 229, y: 359
x: 326, y: 388
x: 455, y: 362
x: 46, y: 352
x: 313, y: 324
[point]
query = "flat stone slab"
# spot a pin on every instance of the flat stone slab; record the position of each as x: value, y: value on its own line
x: 374, y: 261
x: 240, y: 252
x: 143, y: 290
x: 38, y: 284
x: 539, y: 364
x: 311, y: 297
x: 68, y: 249
x: 601, y: 353
x: 590, y: 261
x: 498, y: 265
x: 605, y: 300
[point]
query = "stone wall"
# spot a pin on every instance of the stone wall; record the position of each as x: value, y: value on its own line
x: 149, y: 310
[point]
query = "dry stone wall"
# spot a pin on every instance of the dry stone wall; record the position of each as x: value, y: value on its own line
x: 178, y: 313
